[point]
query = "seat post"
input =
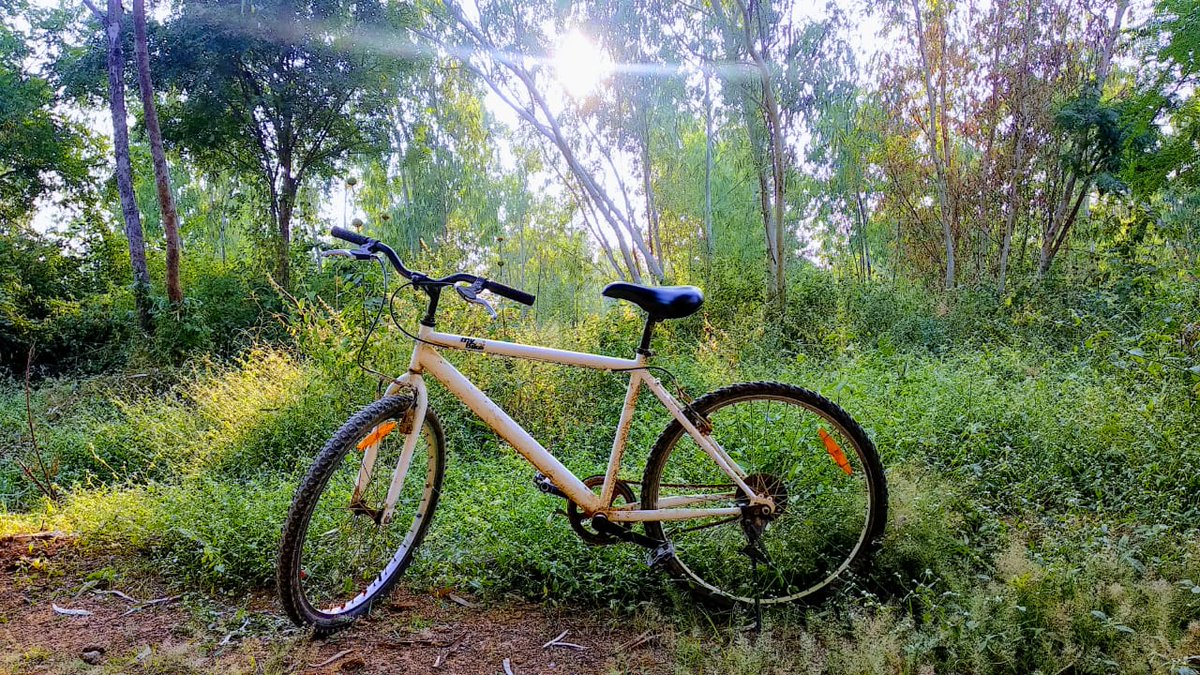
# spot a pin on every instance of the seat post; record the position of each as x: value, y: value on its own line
x: 647, y: 333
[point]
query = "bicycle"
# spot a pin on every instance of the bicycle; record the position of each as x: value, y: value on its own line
x: 749, y: 494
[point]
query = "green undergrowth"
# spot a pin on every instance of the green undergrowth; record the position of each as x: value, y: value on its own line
x: 1043, y: 500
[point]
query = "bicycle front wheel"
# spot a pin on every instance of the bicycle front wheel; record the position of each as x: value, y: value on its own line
x: 339, y: 554
x: 809, y: 455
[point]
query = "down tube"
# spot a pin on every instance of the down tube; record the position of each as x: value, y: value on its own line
x: 509, y: 430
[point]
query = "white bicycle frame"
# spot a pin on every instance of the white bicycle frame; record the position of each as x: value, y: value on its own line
x: 426, y: 359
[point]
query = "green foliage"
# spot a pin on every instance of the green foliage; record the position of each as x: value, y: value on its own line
x: 62, y: 303
x: 42, y: 151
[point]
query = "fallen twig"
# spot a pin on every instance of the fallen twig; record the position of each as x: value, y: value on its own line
x: 119, y: 594
x: 507, y: 667
x: 557, y: 642
x: 70, y: 612
x: 331, y: 659
x: 454, y: 646
x: 637, y: 641
x: 460, y: 600
x: 44, y: 483
x: 229, y: 637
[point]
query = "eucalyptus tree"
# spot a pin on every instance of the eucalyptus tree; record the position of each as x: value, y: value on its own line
x: 780, y: 71
x: 1092, y: 140
x: 283, y: 90
x: 507, y: 46
x: 112, y: 19
x: 162, y: 175
x: 441, y: 163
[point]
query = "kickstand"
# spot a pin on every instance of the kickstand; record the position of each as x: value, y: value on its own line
x: 758, y: 592
x: 753, y: 552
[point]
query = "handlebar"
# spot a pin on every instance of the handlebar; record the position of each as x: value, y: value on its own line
x: 350, y: 236
x: 375, y: 246
x: 509, y: 292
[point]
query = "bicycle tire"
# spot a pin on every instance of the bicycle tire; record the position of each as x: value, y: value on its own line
x: 831, y: 416
x: 290, y: 572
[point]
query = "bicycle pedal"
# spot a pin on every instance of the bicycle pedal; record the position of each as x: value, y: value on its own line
x: 659, y: 555
x: 543, y: 484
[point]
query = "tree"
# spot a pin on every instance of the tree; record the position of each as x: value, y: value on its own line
x: 162, y: 176
x: 1093, y: 138
x: 746, y: 32
x: 115, y: 63
x: 1164, y: 113
x: 587, y: 157
x: 284, y: 91
x: 41, y: 152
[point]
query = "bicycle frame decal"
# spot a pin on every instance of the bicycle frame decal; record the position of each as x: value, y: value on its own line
x: 426, y: 359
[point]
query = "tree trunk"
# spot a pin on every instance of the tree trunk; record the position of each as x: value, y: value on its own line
x: 648, y: 186
x: 708, y: 167
x: 766, y: 148
x: 1011, y: 217
x: 773, y: 123
x: 1018, y: 156
x: 287, y: 203
x: 129, y: 209
x: 935, y: 154
x: 162, y: 176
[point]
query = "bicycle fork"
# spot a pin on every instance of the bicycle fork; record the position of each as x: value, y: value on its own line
x: 410, y: 425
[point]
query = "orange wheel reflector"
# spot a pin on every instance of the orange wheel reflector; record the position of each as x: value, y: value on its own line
x: 835, y: 451
x: 377, y: 435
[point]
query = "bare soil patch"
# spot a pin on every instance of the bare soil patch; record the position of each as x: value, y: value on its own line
x: 107, y: 622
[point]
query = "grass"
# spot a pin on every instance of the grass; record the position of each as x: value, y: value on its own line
x: 1043, y: 513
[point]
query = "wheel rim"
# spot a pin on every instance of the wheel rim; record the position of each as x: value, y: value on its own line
x: 821, y: 530
x: 347, y: 556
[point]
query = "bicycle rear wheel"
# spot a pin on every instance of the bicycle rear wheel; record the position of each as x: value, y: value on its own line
x: 813, y: 458
x: 337, y: 557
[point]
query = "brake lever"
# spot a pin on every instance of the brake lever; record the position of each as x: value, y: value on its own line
x: 358, y: 254
x: 471, y: 295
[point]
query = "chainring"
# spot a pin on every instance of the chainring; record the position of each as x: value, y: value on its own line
x: 578, y: 519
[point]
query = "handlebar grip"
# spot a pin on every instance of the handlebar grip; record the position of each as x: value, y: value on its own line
x: 509, y: 292
x: 347, y: 235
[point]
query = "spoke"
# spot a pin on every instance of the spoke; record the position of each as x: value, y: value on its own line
x: 824, y: 514
x: 705, y: 526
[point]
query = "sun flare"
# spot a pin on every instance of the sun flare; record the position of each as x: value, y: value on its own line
x: 580, y: 64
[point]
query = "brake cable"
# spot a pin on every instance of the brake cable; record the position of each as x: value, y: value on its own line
x: 371, y: 331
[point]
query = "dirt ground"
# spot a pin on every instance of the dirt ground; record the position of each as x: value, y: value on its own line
x: 115, y: 616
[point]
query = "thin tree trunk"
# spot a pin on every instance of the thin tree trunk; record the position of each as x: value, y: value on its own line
x: 708, y: 167
x: 862, y: 232
x: 1011, y: 217
x: 762, y: 149
x: 1018, y: 155
x: 648, y: 186
x: 774, y: 130
x: 932, y: 131
x: 287, y: 204
x: 162, y: 176
x: 129, y: 209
